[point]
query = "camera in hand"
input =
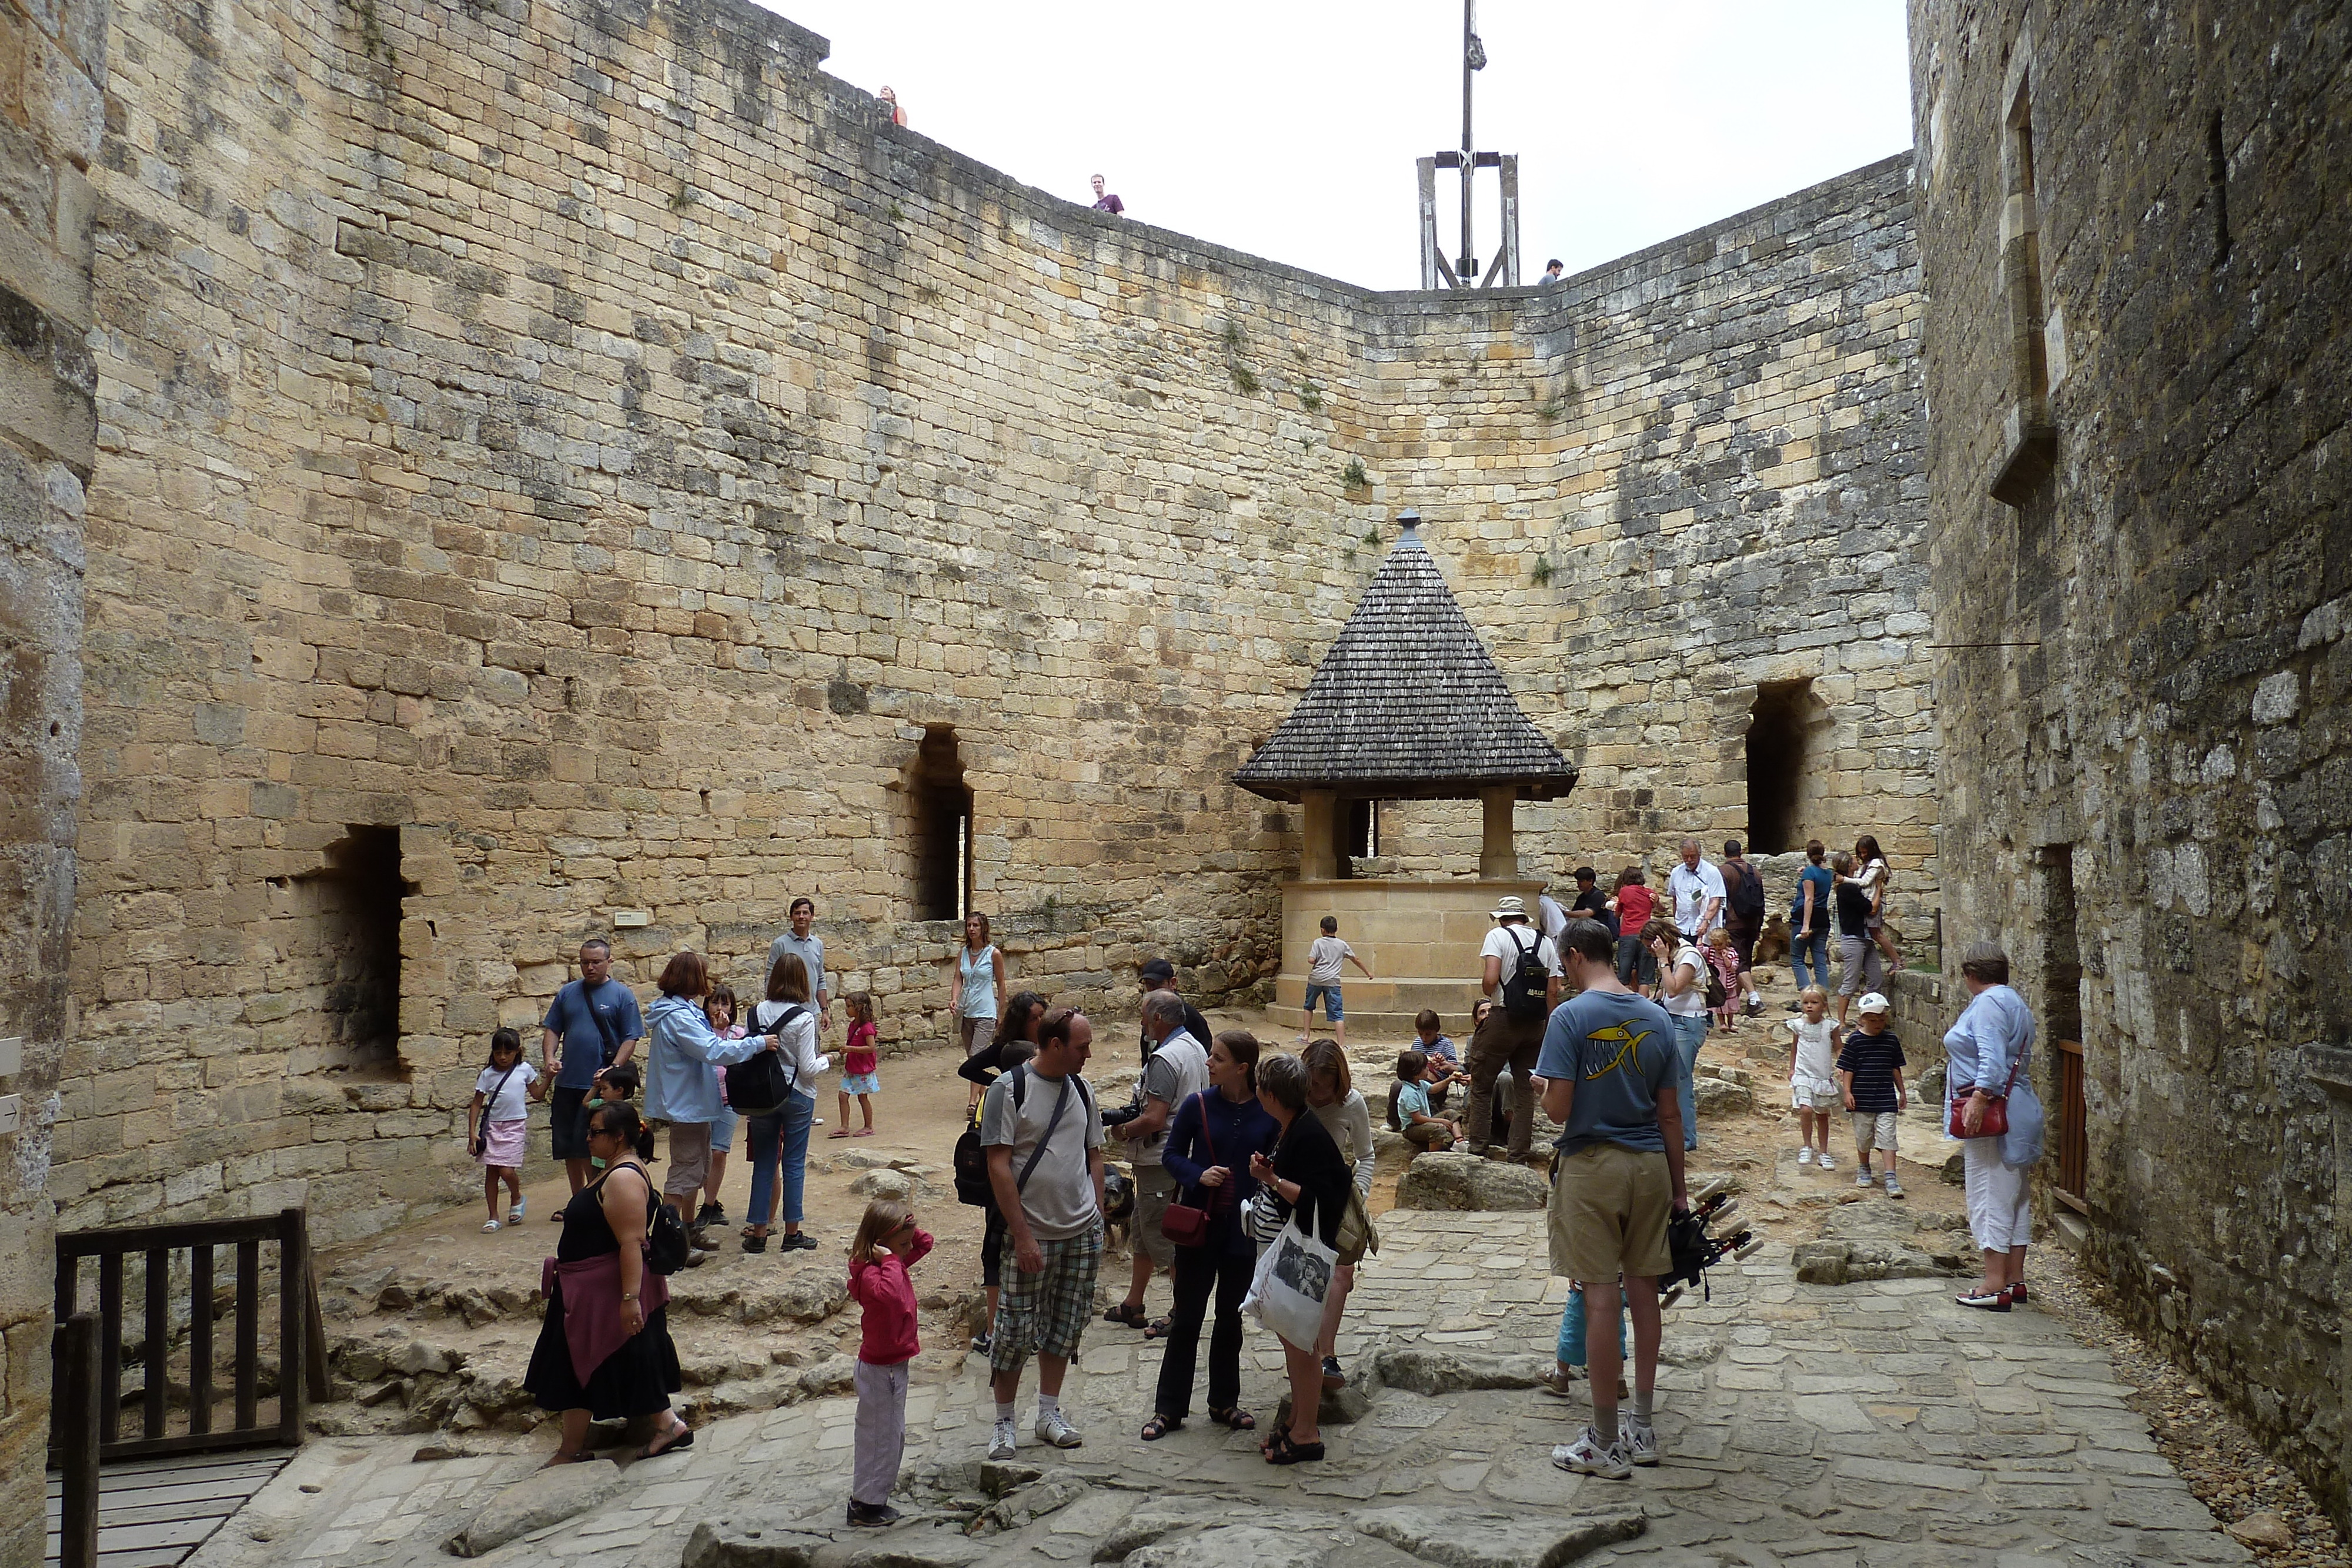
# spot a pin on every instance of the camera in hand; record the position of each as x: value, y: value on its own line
x: 1120, y: 1115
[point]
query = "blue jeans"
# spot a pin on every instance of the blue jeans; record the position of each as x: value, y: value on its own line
x: 780, y: 1147
x: 1818, y: 947
x: 1690, y: 1033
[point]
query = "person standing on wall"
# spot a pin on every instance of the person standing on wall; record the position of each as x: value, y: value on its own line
x: 1743, y: 917
x: 809, y: 948
x: 1809, y: 920
x: 1554, y: 270
x: 1603, y: 1076
x: 1177, y: 1070
x: 1518, y: 969
x: 890, y: 96
x: 592, y: 1024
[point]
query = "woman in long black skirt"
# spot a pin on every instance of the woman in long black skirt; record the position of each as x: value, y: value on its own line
x: 636, y: 1375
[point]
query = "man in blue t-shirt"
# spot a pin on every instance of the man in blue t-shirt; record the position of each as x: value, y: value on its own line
x: 1606, y: 1074
x: 592, y: 1024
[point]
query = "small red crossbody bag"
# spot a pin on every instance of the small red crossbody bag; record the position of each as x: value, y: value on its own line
x: 1996, y: 1112
x: 1182, y: 1224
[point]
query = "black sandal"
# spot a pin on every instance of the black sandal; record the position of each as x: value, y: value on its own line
x: 1158, y: 1328
x: 1286, y: 1450
x: 1122, y: 1313
x: 1159, y: 1427
x: 1234, y: 1419
x: 680, y: 1436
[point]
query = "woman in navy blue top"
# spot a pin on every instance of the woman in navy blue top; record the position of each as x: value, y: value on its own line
x: 1210, y: 1142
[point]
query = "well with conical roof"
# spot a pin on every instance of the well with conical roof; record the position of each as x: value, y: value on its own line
x: 1407, y: 703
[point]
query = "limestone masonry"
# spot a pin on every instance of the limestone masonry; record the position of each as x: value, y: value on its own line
x: 2135, y: 248
x: 478, y: 477
x: 571, y: 466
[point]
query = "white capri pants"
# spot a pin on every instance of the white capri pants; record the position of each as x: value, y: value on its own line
x: 2001, y: 1210
x: 880, y: 1438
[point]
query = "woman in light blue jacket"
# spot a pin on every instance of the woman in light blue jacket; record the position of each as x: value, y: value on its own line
x: 1985, y: 1060
x: 681, y: 1047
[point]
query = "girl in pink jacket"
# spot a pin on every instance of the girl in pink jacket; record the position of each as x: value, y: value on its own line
x: 887, y: 1245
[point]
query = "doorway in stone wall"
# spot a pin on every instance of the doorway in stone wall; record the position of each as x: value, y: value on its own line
x: 943, y: 827
x: 2060, y: 1005
x: 1785, y: 725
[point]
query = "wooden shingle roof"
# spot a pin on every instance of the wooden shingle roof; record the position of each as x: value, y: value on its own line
x: 1408, y: 703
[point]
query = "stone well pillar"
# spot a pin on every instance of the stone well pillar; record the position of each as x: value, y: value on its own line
x: 1316, y: 861
x: 1498, y: 859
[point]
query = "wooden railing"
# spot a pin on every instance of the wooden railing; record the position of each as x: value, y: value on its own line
x: 302, y: 1350
x: 2072, y: 1184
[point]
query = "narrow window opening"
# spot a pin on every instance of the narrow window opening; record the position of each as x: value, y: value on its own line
x: 2060, y: 962
x: 1779, y: 785
x: 2217, y: 177
x: 2026, y: 255
x: 348, y: 938
x: 1355, y: 834
x: 942, y: 808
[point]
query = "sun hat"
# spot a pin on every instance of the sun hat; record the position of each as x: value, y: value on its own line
x: 1510, y: 906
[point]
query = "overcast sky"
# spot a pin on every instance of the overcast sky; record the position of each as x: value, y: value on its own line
x: 1288, y: 127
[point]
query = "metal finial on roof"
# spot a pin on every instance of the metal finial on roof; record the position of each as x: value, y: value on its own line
x: 1410, y: 521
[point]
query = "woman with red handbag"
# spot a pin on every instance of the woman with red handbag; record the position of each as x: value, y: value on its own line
x: 1210, y: 1142
x: 1985, y: 1082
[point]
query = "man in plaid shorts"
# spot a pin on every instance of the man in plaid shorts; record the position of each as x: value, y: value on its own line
x: 1044, y: 1135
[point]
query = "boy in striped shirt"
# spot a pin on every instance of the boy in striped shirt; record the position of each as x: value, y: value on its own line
x: 1870, y: 1078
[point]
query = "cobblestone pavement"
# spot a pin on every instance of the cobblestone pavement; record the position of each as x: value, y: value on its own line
x: 1873, y: 1423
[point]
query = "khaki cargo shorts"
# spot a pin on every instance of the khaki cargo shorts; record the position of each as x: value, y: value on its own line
x: 1155, y: 1185
x: 1608, y: 1214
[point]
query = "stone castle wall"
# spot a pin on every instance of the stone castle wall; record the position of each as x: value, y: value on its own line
x: 52, y: 71
x: 2147, y: 769
x: 558, y: 465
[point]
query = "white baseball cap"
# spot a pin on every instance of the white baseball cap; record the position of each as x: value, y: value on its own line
x: 1873, y: 1002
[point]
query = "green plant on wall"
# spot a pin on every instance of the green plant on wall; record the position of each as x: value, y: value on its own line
x: 1371, y: 536
x: 682, y: 198
x: 1354, y: 475
x: 372, y: 43
x: 1542, y: 569
x: 1310, y: 397
x: 1244, y: 379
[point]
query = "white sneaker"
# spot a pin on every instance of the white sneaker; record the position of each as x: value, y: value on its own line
x: 1805, y: 1156
x: 1052, y: 1428
x: 1863, y: 1178
x: 1639, y: 1440
x: 1002, y: 1443
x: 1586, y: 1456
x: 1824, y: 1160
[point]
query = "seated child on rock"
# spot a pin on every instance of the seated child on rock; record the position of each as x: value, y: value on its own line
x: 1420, y: 1128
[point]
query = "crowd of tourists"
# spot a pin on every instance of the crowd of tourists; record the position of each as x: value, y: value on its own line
x: 1252, y: 1167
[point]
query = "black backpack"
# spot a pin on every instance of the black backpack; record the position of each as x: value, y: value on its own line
x: 1525, y: 984
x: 1746, y: 897
x: 759, y: 1084
x: 972, y: 1184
